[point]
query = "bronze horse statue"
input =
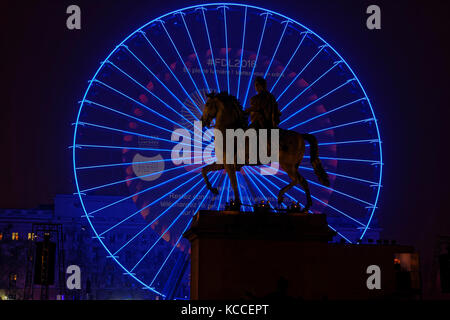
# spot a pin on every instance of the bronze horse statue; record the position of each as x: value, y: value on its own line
x: 228, y: 114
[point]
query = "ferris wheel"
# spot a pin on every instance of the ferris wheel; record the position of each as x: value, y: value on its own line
x: 155, y: 81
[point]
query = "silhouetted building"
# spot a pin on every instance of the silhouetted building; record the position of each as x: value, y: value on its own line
x: 101, y: 278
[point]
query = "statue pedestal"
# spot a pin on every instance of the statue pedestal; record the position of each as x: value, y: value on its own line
x: 246, y: 255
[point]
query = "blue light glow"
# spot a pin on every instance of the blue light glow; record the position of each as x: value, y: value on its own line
x: 330, y: 125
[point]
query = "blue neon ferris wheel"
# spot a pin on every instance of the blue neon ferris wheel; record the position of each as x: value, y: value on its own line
x: 156, y: 81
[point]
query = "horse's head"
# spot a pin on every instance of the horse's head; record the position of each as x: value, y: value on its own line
x: 226, y: 109
x: 210, y: 110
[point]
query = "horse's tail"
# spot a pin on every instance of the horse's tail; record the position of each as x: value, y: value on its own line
x: 314, y: 158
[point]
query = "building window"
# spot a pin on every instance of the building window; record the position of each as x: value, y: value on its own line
x: 15, y: 236
x: 1, y: 236
x: 13, y: 277
x: 31, y: 236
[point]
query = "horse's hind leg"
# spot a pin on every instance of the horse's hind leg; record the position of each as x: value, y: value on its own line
x: 305, y: 187
x: 230, y: 169
x: 292, y: 173
x: 209, y: 168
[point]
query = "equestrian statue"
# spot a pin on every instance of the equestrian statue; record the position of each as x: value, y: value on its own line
x: 228, y: 113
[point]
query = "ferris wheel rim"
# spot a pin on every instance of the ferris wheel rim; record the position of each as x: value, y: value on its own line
x: 102, y: 64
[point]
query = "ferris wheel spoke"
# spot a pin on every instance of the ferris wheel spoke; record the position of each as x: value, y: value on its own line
x: 271, y: 183
x: 369, y: 221
x: 246, y: 187
x: 239, y: 190
x: 219, y: 188
x: 83, y: 123
x: 276, y: 49
x: 126, y: 115
x: 131, y: 179
x: 182, y: 61
x: 326, y: 204
x: 168, y: 68
x: 371, y: 162
x: 97, y: 146
x: 257, y: 56
x: 108, y: 165
x: 250, y: 176
x: 140, y: 192
x: 140, y: 210
x: 257, y: 179
x: 223, y: 189
x: 343, y: 125
x: 251, y: 187
x: 242, y: 53
x: 290, y: 59
x: 304, y: 68
x: 170, y: 253
x: 141, y: 104
x: 314, y: 101
x: 195, y: 50
x: 228, y: 190
x: 348, y: 142
x: 328, y: 112
x: 226, y: 44
x: 130, y: 133
x: 174, y: 221
x: 340, y: 234
x: 159, y: 81
x: 149, y: 225
x: 371, y: 183
x: 340, y: 192
x: 181, y: 235
x: 336, y: 63
x: 258, y: 176
x: 152, y: 94
x: 210, y: 47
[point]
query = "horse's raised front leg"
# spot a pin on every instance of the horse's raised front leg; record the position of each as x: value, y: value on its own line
x: 209, y: 168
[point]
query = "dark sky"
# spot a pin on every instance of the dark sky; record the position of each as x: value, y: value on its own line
x: 404, y: 68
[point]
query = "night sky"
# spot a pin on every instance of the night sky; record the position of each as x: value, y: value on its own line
x: 404, y: 68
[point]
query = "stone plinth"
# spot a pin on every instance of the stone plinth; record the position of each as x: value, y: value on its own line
x: 245, y: 255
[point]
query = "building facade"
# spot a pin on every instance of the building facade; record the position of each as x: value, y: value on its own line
x: 101, y: 278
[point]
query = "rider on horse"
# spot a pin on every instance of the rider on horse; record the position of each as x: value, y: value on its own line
x: 228, y: 114
x: 263, y: 110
